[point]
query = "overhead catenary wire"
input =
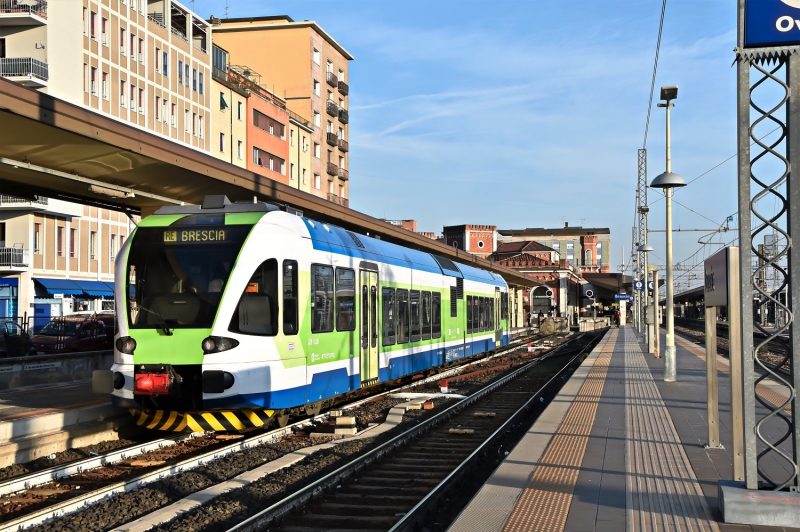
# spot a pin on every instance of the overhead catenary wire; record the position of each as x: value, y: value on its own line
x: 655, y: 70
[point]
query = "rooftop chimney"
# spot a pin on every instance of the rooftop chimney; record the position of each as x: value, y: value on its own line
x: 566, y: 224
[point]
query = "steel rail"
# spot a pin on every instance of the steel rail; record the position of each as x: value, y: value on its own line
x: 300, y: 498
x: 82, y: 501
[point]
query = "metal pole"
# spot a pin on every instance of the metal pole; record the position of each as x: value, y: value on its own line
x: 745, y: 259
x: 655, y: 335
x: 712, y: 393
x: 735, y: 357
x: 669, y: 352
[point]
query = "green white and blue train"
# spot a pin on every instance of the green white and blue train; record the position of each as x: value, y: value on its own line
x: 236, y: 315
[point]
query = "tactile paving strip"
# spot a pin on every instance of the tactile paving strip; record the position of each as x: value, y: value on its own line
x: 545, y: 502
x: 662, y: 490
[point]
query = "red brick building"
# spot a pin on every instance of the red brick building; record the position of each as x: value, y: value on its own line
x: 479, y: 240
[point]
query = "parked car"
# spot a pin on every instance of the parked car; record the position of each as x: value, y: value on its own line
x: 109, y: 319
x: 69, y: 334
x: 14, y: 342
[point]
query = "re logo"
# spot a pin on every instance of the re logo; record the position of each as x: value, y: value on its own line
x: 170, y: 236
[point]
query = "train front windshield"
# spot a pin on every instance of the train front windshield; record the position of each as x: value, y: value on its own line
x: 177, y: 274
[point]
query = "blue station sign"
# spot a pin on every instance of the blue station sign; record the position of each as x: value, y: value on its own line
x: 623, y: 297
x: 638, y: 285
x: 771, y: 23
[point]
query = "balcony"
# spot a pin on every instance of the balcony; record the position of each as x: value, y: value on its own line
x: 332, y: 108
x: 333, y: 169
x: 331, y: 79
x: 331, y: 138
x: 343, y: 145
x: 157, y: 18
x: 344, y: 88
x: 178, y: 33
x: 26, y: 71
x: 13, y: 202
x: 23, y: 12
x: 333, y: 198
x: 344, y: 116
x: 344, y: 175
x: 16, y: 257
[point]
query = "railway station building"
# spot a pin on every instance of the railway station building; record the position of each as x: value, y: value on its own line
x: 586, y: 248
x: 304, y: 65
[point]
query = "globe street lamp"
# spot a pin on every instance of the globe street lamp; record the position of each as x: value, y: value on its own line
x: 668, y: 181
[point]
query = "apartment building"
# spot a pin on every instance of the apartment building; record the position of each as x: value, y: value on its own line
x: 57, y: 257
x: 144, y: 62
x: 228, y: 112
x: 308, y: 68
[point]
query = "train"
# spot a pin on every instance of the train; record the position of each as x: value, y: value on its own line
x: 239, y: 315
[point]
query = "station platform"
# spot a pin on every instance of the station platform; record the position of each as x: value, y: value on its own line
x: 43, y: 419
x: 617, y: 449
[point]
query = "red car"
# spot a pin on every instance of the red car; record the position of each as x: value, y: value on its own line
x: 69, y: 335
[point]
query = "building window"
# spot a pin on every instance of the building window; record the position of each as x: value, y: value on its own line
x: 93, y: 245
x: 239, y: 110
x: 599, y: 252
x: 84, y: 20
x: 200, y: 129
x: 186, y: 120
x: 173, y: 116
x: 72, y: 233
x: 122, y: 41
x: 588, y: 257
x: 85, y: 77
x: 341, y: 75
x: 37, y: 234
x: 316, y: 87
x: 180, y: 72
x: 133, y: 98
x: 316, y: 151
x: 104, y: 31
x: 304, y: 176
x: 239, y: 150
x: 201, y: 83
x: 267, y: 160
x: 141, y: 101
x: 158, y: 60
x: 165, y: 63
x: 316, y: 181
x: 316, y: 119
x: 186, y: 75
x: 291, y: 137
x: 131, y: 49
x: 105, y: 85
x: 93, y: 25
x: 315, y: 56
x: 194, y: 124
x: 93, y: 80
x: 222, y: 142
x: 113, y: 247
x: 141, y: 51
x: 291, y: 171
x: 329, y: 66
x: 268, y: 124
x: 194, y: 79
x: 156, y: 110
x: 60, y: 241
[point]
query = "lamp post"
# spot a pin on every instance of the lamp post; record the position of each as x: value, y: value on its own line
x: 668, y: 181
x: 644, y: 249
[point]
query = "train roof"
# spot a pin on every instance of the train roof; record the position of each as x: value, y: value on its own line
x: 327, y: 237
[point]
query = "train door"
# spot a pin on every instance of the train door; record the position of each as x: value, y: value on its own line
x: 369, y: 327
x: 498, y: 327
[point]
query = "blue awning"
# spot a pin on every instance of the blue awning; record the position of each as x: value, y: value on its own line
x: 9, y: 281
x: 60, y: 286
x: 96, y: 288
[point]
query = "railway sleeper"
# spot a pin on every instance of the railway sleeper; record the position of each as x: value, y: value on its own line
x: 336, y: 508
x: 357, y: 499
x: 414, y: 481
x: 332, y: 521
x: 385, y: 491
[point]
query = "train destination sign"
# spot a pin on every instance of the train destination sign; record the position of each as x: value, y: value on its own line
x: 771, y: 23
x: 174, y: 236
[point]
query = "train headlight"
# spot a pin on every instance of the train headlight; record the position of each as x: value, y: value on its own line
x: 216, y: 344
x: 125, y: 344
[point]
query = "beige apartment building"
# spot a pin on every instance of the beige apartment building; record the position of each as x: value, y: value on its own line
x: 303, y: 64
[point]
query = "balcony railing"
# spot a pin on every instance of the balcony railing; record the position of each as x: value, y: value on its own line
x: 333, y: 169
x: 331, y: 79
x: 23, y: 66
x: 331, y: 138
x: 343, y: 145
x: 332, y: 108
x: 344, y: 88
x: 344, y: 116
x: 13, y: 200
x: 333, y: 198
x: 158, y: 18
x: 38, y: 8
x: 15, y: 257
x: 344, y: 175
x: 179, y: 33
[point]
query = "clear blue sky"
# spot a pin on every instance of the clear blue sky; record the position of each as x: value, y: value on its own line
x: 530, y: 113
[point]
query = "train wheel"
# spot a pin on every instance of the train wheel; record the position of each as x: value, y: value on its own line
x: 280, y: 418
x: 313, y: 409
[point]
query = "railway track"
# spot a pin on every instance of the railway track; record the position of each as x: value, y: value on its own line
x: 44, y: 496
x: 774, y: 356
x: 394, y: 486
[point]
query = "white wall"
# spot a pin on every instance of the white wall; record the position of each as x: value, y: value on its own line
x: 64, y: 50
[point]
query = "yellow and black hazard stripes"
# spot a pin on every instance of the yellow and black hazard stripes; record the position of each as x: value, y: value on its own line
x: 218, y: 421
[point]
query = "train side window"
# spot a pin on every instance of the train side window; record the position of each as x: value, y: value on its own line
x: 402, y: 316
x: 491, y: 314
x: 290, y: 298
x: 481, y: 314
x: 388, y: 316
x: 373, y: 301
x: 345, y: 299
x: 426, y: 315
x: 415, y: 322
x: 257, y: 311
x: 436, y: 315
x: 484, y: 314
x: 364, y: 316
x: 321, y: 298
x: 504, y: 306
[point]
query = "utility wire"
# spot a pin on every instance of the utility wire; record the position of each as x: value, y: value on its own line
x: 655, y: 69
